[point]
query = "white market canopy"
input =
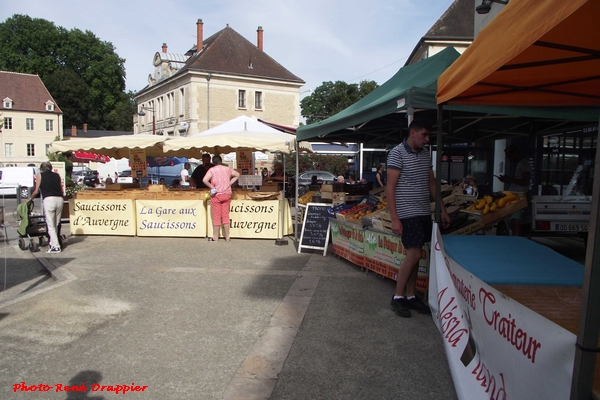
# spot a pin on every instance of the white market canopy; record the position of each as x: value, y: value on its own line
x: 112, y: 146
x: 239, y: 133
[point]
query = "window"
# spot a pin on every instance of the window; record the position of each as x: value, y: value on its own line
x: 181, y: 102
x: 49, y: 125
x: 258, y: 101
x: 8, y: 149
x: 7, y: 102
x: 29, y: 123
x: 48, y: 147
x: 242, y: 99
x: 49, y: 106
x: 7, y: 122
x: 30, y: 150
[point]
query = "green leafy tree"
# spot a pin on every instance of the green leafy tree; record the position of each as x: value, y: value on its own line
x: 332, y: 97
x: 335, y: 164
x: 119, y: 119
x: 37, y: 46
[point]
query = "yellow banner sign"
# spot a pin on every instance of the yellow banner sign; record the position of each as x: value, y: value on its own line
x: 185, y: 218
x: 255, y: 219
x: 103, y: 217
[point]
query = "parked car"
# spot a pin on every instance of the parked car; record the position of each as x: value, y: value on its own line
x: 125, y: 177
x: 169, y: 172
x: 305, y: 178
x: 11, y: 177
x: 90, y: 178
x: 78, y: 176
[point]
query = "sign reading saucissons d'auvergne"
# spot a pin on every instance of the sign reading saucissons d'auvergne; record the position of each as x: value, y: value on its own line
x: 103, y: 217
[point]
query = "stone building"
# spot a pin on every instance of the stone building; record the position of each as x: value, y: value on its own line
x: 30, y: 120
x: 220, y: 78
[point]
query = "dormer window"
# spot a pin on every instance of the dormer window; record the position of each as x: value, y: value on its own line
x: 49, y: 106
x: 7, y: 103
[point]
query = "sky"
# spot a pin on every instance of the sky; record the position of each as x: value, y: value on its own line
x: 317, y: 40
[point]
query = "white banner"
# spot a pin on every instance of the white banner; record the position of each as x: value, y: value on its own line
x: 496, y: 348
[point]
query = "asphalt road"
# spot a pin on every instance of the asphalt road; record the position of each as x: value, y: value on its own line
x: 191, y: 319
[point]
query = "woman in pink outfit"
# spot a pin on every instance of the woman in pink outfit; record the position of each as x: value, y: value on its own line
x: 219, y: 180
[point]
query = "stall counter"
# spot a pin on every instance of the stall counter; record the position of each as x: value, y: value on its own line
x: 177, y: 213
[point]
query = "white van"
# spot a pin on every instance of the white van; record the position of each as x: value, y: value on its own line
x: 11, y: 177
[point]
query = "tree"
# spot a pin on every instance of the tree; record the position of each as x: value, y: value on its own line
x: 37, y: 46
x: 336, y: 164
x: 331, y: 98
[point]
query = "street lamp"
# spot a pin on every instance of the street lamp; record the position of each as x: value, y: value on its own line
x: 141, y: 113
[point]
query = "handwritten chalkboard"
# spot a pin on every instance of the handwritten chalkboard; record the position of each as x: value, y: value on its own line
x: 315, y: 229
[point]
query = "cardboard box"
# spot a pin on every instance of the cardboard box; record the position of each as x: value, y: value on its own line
x: 338, y: 196
x: 327, y: 195
x: 326, y: 188
x: 157, y: 188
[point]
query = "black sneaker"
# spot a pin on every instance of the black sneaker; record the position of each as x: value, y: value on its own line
x: 401, y: 307
x: 417, y: 304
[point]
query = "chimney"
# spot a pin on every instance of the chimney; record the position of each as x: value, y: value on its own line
x: 164, y: 48
x: 73, y: 130
x: 85, y: 127
x: 259, y: 38
x: 199, y: 26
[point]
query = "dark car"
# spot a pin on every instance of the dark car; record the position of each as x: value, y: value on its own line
x: 91, y: 178
x: 305, y: 178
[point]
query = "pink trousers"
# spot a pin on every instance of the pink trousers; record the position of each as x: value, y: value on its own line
x: 220, y: 208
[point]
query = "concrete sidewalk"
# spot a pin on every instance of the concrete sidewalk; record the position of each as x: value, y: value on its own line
x: 191, y: 319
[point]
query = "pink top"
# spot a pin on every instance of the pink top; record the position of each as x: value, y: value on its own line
x: 221, y: 176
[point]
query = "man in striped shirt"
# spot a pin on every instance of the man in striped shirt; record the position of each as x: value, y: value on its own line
x: 410, y: 183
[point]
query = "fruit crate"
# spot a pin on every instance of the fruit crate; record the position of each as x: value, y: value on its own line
x: 482, y: 220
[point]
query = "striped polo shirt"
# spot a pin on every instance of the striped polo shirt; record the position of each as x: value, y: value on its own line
x: 412, y: 189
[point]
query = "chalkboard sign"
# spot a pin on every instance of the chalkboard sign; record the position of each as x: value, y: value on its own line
x: 315, y: 229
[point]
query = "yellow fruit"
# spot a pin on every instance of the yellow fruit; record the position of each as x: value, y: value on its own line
x: 493, y: 207
x: 479, y: 204
x: 488, y: 199
x: 486, y: 209
x: 508, y: 193
x: 471, y: 207
x: 505, y: 200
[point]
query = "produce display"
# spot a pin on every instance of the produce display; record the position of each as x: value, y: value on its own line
x: 307, y: 198
x: 493, y: 202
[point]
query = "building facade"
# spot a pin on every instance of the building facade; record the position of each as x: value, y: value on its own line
x: 220, y: 78
x: 30, y: 120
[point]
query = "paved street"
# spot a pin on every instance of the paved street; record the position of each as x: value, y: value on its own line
x: 190, y: 319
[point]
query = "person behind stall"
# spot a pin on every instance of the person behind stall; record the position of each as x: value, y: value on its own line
x: 519, y: 182
x: 116, y: 178
x: 380, y: 176
x: 219, y: 180
x: 264, y: 173
x: 256, y: 173
x: 176, y: 184
x: 49, y: 184
x: 469, y: 185
x: 185, y: 175
x: 351, y: 179
x: 108, y: 180
x: 200, y: 171
x: 411, y: 183
x: 340, y: 179
x: 277, y: 175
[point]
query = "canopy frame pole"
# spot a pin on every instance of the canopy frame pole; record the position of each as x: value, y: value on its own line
x: 589, y: 319
x: 282, y: 241
x: 438, y: 165
x: 296, y: 191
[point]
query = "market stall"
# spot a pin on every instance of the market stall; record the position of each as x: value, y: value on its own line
x: 126, y: 209
x: 547, y: 56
